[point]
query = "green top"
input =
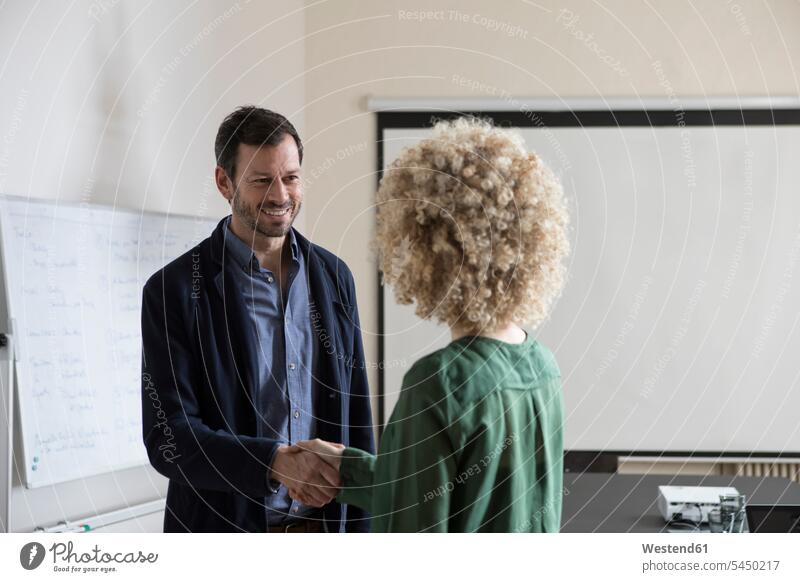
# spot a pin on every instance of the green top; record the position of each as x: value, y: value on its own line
x: 474, y: 444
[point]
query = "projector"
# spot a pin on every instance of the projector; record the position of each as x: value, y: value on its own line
x: 677, y: 502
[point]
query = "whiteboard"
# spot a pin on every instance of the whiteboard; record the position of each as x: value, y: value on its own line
x: 73, y: 280
x: 677, y: 330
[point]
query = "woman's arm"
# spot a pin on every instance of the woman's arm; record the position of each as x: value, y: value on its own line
x: 357, y: 470
x: 408, y: 486
x: 416, y: 469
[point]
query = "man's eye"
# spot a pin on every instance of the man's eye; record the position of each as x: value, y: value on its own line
x: 293, y: 178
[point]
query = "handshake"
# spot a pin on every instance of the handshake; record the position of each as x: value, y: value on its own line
x: 309, y: 470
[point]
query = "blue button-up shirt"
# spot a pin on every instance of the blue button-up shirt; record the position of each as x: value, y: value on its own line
x: 286, y: 354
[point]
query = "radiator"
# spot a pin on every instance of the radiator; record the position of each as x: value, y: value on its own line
x: 739, y: 466
x: 790, y: 470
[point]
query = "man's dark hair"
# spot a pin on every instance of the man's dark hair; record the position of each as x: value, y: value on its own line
x: 253, y: 126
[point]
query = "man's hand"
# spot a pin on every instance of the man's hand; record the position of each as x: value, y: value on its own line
x: 309, y: 479
x: 331, y: 453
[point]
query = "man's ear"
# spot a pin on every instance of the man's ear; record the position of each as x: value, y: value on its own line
x: 224, y: 183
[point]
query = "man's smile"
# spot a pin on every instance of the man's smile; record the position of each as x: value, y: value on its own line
x: 273, y: 212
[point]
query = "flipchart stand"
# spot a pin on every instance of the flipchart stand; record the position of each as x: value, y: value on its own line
x: 6, y: 428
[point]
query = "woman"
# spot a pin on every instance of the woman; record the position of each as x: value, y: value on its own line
x: 473, y: 229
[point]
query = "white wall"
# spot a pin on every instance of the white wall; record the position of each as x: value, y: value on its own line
x: 118, y: 102
x: 533, y: 49
x: 122, y: 100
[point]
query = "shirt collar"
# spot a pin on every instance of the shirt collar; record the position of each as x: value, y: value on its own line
x: 293, y: 244
x: 243, y: 254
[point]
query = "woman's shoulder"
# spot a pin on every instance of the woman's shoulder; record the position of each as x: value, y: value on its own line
x: 427, y: 383
x: 531, y: 359
x: 544, y: 361
x: 429, y: 370
x: 460, y: 377
x: 474, y: 361
x: 442, y: 364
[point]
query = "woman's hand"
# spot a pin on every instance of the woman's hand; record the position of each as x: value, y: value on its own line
x: 327, y: 455
x: 331, y: 453
x: 308, y: 478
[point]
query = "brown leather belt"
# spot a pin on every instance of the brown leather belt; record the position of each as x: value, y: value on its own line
x: 300, y: 526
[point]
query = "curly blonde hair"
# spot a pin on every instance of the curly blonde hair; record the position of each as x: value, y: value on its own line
x: 472, y: 228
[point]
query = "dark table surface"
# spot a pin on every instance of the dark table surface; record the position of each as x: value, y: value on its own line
x: 609, y: 502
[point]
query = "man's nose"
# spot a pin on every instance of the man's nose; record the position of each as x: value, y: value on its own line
x: 278, y: 194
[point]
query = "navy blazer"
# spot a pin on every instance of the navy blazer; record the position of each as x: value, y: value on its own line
x: 198, y: 388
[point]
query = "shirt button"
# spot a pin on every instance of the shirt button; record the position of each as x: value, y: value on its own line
x: 297, y: 414
x: 292, y: 366
x: 270, y: 279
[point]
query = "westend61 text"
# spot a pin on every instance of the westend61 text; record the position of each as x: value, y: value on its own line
x: 675, y: 549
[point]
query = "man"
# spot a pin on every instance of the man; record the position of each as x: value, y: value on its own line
x: 251, y: 343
